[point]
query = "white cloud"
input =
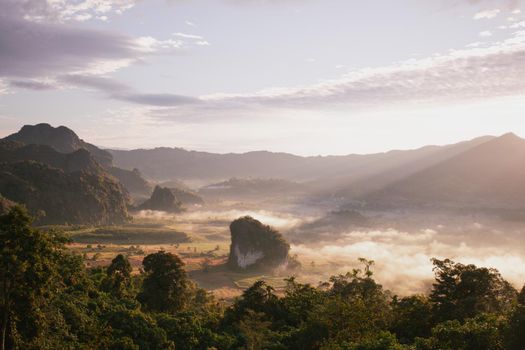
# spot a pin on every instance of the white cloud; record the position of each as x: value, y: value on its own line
x: 203, y: 43
x: 485, y: 33
x: 487, y: 14
x: 476, y: 72
x: 82, y: 10
x: 518, y: 25
x: 188, y: 36
x: 150, y: 44
x: 190, y: 23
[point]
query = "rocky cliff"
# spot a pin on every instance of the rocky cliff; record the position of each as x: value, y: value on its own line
x: 256, y: 246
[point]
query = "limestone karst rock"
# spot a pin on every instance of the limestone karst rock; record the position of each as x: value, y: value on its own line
x: 162, y: 199
x: 256, y: 246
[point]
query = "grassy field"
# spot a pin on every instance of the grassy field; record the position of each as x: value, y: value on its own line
x: 203, y: 244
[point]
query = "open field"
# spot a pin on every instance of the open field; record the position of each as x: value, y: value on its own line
x: 200, y: 238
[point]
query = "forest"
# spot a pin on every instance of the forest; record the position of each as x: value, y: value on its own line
x: 49, y: 299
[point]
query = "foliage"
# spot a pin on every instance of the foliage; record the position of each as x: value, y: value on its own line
x: 50, y: 300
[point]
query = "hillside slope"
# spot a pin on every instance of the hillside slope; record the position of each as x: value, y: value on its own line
x: 65, y: 140
x: 70, y: 188
x: 491, y: 175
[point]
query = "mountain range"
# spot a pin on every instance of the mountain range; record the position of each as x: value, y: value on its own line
x: 485, y: 172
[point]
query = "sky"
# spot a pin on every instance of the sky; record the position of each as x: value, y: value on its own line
x: 310, y: 77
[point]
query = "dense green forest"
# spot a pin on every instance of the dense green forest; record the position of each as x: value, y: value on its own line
x: 50, y: 300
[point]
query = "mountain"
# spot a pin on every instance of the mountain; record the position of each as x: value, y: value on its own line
x: 132, y: 180
x: 490, y: 175
x: 79, y: 160
x: 77, y: 198
x: 66, y: 141
x: 252, y: 188
x: 70, y: 187
x: 187, y: 197
x: 62, y: 139
x: 176, y: 163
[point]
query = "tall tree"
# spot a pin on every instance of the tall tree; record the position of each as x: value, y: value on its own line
x: 464, y: 291
x: 118, y: 280
x: 28, y: 275
x: 166, y: 287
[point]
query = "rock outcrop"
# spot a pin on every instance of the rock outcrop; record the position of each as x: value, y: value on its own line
x: 162, y: 199
x: 256, y: 246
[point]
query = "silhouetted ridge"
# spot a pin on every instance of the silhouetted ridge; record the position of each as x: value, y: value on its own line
x: 65, y: 140
x: 61, y: 138
x: 490, y: 175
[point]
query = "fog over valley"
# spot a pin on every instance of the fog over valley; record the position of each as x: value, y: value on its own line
x: 262, y: 175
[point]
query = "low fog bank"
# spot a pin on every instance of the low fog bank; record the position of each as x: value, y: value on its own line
x: 401, y: 244
x: 403, y: 258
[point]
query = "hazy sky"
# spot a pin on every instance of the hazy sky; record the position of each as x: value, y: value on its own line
x: 302, y: 76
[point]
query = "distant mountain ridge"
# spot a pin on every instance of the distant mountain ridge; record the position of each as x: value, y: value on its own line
x: 176, y: 163
x: 490, y: 175
x: 482, y: 172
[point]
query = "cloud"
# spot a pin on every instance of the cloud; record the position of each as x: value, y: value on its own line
x: 149, y: 44
x: 43, y: 48
x: 80, y: 10
x: 403, y: 259
x: 32, y: 84
x: 476, y: 72
x: 509, y: 4
x: 485, y: 33
x: 36, y: 45
x: 479, y: 72
x: 119, y: 91
x: 487, y: 14
x: 188, y: 36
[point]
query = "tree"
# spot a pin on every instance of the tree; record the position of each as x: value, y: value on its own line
x: 29, y: 260
x: 166, y: 287
x: 118, y: 280
x: 412, y: 317
x: 479, y: 333
x: 464, y: 291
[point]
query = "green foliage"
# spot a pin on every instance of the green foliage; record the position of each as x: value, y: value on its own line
x: 480, y: 333
x: 118, y: 280
x: 412, y: 318
x: 29, y: 265
x: 166, y: 286
x: 50, y: 300
x: 464, y: 291
x: 514, y: 332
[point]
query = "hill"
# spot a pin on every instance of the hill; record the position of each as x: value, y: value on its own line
x: 65, y: 140
x: 70, y: 187
x: 490, y: 175
x: 62, y: 139
x: 77, y: 198
x: 162, y: 199
x: 251, y: 188
x: 176, y: 163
